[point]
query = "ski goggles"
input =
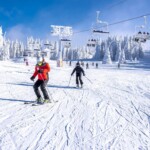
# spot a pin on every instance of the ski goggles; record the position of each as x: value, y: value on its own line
x: 40, y: 64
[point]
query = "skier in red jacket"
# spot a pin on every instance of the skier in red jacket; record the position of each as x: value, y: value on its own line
x: 42, y: 69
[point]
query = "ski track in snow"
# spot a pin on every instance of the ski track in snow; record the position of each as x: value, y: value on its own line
x: 112, y: 111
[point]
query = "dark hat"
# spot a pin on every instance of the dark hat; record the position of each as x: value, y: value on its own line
x: 77, y: 64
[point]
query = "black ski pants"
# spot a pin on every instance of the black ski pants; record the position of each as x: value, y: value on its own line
x: 42, y: 84
x: 78, y: 78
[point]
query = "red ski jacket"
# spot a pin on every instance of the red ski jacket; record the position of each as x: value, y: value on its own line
x: 44, y: 68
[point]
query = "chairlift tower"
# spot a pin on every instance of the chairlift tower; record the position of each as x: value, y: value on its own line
x: 101, y: 27
x: 64, y: 33
x: 46, y: 51
x: 98, y: 29
x: 38, y: 54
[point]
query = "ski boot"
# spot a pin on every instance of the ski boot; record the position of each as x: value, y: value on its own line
x: 39, y: 101
x: 77, y: 86
x: 47, y: 101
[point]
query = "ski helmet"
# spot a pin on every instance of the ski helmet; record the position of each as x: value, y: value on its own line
x: 77, y: 64
x: 39, y: 59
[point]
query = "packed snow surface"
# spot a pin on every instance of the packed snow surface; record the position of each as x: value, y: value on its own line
x: 112, y: 111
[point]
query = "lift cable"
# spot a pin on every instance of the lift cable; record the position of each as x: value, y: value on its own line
x: 119, y: 22
x: 114, y: 5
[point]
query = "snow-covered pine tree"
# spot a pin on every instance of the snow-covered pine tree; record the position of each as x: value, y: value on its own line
x: 107, y: 59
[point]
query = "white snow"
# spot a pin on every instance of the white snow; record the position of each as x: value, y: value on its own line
x: 112, y: 111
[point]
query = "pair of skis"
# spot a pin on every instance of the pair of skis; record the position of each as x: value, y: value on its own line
x: 38, y: 104
x: 76, y: 87
x: 34, y: 103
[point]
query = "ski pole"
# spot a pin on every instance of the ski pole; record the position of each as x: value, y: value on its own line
x: 69, y: 80
x: 89, y: 80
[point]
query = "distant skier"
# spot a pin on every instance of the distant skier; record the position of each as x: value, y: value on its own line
x: 96, y: 65
x: 41, y: 69
x: 118, y: 65
x: 87, y: 66
x: 82, y: 63
x: 70, y: 63
x: 27, y: 63
x: 79, y: 70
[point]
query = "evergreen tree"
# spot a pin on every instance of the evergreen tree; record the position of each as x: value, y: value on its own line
x: 107, y: 59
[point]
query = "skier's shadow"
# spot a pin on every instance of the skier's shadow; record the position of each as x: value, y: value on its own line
x: 22, y: 84
x: 61, y: 87
x: 49, y: 85
x: 14, y: 100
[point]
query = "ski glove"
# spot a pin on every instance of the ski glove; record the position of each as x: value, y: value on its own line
x: 32, y: 78
x: 40, y: 71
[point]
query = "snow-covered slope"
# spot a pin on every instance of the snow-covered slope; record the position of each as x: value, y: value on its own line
x: 112, y: 111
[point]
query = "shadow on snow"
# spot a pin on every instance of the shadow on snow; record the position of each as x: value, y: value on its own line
x: 51, y: 86
x: 62, y: 87
x: 14, y: 100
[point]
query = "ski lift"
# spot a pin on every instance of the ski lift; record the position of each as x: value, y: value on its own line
x: 142, y: 35
x: 92, y: 43
x: 47, y: 44
x: 37, y: 49
x: 45, y: 50
x: 52, y: 51
x: 68, y: 45
x: 65, y: 40
x: 100, y: 24
x: 52, y: 48
x: 25, y: 54
x: 99, y: 31
x: 44, y: 53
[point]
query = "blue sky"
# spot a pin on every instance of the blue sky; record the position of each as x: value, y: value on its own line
x: 22, y: 18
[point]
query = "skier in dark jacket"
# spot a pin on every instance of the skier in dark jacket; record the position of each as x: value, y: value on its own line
x: 96, y: 65
x: 78, y: 71
x: 118, y: 65
x: 87, y: 66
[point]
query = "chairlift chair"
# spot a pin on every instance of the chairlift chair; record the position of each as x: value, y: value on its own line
x: 37, y: 49
x: 92, y: 42
x: 25, y: 55
x: 43, y: 54
x: 47, y: 44
x: 27, y: 51
x: 52, y: 51
x: 100, y: 31
x: 65, y: 40
x: 103, y: 25
x: 142, y: 35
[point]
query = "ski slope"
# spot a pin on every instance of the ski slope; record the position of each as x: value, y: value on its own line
x: 112, y: 111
